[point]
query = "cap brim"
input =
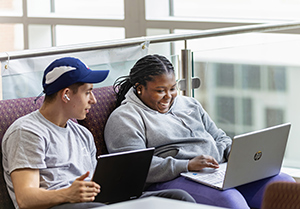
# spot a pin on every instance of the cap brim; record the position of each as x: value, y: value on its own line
x: 95, y: 76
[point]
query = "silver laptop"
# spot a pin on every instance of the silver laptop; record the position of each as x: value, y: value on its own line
x: 254, y: 156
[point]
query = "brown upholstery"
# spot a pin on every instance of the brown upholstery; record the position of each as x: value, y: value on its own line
x: 282, y: 195
x: 12, y: 109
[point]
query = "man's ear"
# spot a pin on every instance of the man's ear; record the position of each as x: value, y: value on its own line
x: 65, y: 95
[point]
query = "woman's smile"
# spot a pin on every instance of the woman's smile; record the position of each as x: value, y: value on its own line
x: 159, y: 94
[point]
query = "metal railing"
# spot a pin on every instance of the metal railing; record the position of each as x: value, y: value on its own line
x: 153, y: 39
x: 269, y: 27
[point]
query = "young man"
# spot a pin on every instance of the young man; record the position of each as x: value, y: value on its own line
x: 48, y: 159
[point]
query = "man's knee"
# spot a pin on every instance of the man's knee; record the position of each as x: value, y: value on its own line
x: 182, y: 195
x: 176, y: 194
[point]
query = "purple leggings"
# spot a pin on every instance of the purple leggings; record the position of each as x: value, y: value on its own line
x: 245, y: 196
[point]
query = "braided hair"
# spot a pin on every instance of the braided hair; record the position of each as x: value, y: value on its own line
x: 144, y: 70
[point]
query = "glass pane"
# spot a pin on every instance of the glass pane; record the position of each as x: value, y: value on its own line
x: 82, y: 34
x: 274, y: 116
x: 112, y: 9
x: 39, y: 36
x: 43, y: 8
x: 247, y: 111
x: 159, y: 48
x: 277, y: 78
x: 251, y: 76
x: 11, y: 37
x: 225, y: 75
x: 10, y: 7
x: 157, y: 9
x: 280, y: 9
x: 25, y: 81
x: 225, y: 107
x: 266, y: 83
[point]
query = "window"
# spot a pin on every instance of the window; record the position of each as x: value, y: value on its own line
x: 67, y: 34
x: 247, y: 111
x: 274, y: 116
x: 250, y: 76
x: 277, y: 78
x: 238, y: 10
x: 114, y: 9
x: 11, y: 39
x: 39, y: 36
x: 161, y: 48
x: 244, y: 77
x: 225, y: 75
x: 10, y: 7
x: 153, y: 11
x: 225, y: 108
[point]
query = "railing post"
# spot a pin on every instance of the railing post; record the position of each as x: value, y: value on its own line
x: 186, y: 70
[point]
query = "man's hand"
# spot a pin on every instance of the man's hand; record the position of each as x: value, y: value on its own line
x: 202, y: 161
x: 83, y: 191
x: 29, y: 195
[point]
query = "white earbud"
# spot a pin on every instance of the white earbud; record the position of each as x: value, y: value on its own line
x: 67, y: 97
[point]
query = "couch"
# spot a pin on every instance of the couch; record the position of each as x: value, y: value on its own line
x: 95, y: 121
x: 282, y: 195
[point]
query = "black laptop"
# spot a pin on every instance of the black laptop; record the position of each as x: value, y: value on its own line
x: 122, y: 175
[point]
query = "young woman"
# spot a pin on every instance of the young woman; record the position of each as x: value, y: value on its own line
x: 150, y: 114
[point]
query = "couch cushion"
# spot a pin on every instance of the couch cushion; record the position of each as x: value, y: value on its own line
x: 98, y: 115
x: 10, y: 110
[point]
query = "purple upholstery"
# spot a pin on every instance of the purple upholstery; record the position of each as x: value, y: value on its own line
x: 12, y: 109
x: 98, y: 115
x: 240, y: 197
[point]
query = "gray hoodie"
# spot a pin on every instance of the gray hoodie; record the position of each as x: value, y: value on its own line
x: 184, y: 132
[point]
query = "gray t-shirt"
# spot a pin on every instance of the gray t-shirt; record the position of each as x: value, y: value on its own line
x: 60, y: 154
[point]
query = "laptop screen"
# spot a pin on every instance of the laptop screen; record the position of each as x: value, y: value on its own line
x: 122, y: 175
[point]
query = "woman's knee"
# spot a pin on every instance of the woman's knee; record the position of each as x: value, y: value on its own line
x: 205, y: 195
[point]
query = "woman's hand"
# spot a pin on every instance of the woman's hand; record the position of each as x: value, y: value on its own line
x: 202, y: 161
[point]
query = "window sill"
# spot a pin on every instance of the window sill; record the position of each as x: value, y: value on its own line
x: 294, y: 172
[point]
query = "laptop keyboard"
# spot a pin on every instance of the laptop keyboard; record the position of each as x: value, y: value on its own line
x: 216, y: 177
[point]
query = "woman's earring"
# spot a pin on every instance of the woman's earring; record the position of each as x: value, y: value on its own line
x: 139, y: 92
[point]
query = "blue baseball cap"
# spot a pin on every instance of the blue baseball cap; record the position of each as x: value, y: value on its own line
x: 66, y: 71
